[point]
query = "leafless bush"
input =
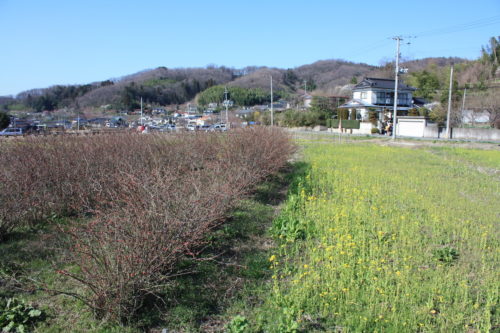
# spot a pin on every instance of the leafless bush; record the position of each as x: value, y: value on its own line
x: 153, y: 200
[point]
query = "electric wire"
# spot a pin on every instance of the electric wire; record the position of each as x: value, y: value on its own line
x: 461, y: 27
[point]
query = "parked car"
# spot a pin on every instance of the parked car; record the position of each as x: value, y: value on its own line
x: 167, y: 128
x: 218, y: 128
x: 204, y: 128
x: 12, y: 131
x: 154, y: 128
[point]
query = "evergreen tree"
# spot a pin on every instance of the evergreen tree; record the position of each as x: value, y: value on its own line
x: 4, y: 120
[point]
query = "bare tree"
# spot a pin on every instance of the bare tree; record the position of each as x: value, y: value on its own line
x: 487, y: 101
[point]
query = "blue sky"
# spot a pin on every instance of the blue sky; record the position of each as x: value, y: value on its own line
x: 73, y: 42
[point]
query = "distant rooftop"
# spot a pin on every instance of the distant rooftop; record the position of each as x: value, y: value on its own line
x: 371, y: 82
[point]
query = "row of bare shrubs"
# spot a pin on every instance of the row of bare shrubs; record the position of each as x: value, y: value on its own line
x: 151, y: 200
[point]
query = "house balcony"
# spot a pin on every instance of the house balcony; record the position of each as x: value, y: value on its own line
x: 390, y: 102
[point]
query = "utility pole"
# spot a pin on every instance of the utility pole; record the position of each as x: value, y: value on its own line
x: 395, y: 114
x: 448, y: 132
x: 142, y: 118
x: 305, y: 87
x: 463, y: 102
x: 272, y: 111
x: 226, y: 102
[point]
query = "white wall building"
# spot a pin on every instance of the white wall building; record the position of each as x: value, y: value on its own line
x: 373, y: 94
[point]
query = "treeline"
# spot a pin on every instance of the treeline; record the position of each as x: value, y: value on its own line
x: 322, y: 109
x: 240, y: 96
x: 160, y: 86
x: 477, y: 77
x: 52, y: 98
x: 432, y: 81
x: 161, y: 91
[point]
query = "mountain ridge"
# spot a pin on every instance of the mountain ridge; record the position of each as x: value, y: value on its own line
x: 167, y: 86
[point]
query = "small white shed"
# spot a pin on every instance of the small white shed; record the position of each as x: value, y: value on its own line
x: 411, y: 126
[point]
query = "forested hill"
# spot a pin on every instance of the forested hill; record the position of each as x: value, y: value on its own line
x: 161, y: 86
x: 167, y: 86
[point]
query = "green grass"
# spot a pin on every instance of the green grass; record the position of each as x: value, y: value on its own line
x: 481, y: 158
x: 217, y: 291
x: 370, y: 238
x: 386, y: 239
x: 30, y: 259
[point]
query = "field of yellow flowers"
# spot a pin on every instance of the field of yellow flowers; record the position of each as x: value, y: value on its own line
x: 387, y: 239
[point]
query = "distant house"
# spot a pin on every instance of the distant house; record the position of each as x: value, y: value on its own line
x: 307, y: 100
x: 475, y: 117
x: 98, y: 122
x: 373, y: 94
x: 79, y: 122
x: 202, y: 121
x: 191, y: 109
x: 260, y: 108
x: 280, y: 105
x: 159, y: 111
x: 244, y: 113
x: 20, y: 123
x: 117, y: 122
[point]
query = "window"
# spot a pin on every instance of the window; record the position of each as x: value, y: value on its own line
x: 404, y: 99
x: 363, y: 95
x: 387, y: 98
x: 384, y: 98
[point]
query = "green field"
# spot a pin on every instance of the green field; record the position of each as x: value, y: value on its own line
x: 372, y: 236
x: 386, y: 239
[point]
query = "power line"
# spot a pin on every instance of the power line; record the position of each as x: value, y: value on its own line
x: 461, y: 27
x: 428, y: 33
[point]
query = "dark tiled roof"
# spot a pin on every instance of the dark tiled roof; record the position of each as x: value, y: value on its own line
x: 419, y: 101
x: 371, y: 82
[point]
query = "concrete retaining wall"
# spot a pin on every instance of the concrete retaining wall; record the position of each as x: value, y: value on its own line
x: 319, y: 128
x: 484, y: 134
x: 431, y: 131
x: 364, y: 128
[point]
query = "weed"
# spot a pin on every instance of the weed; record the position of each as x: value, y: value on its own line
x: 238, y: 324
x: 446, y: 255
x: 18, y: 316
